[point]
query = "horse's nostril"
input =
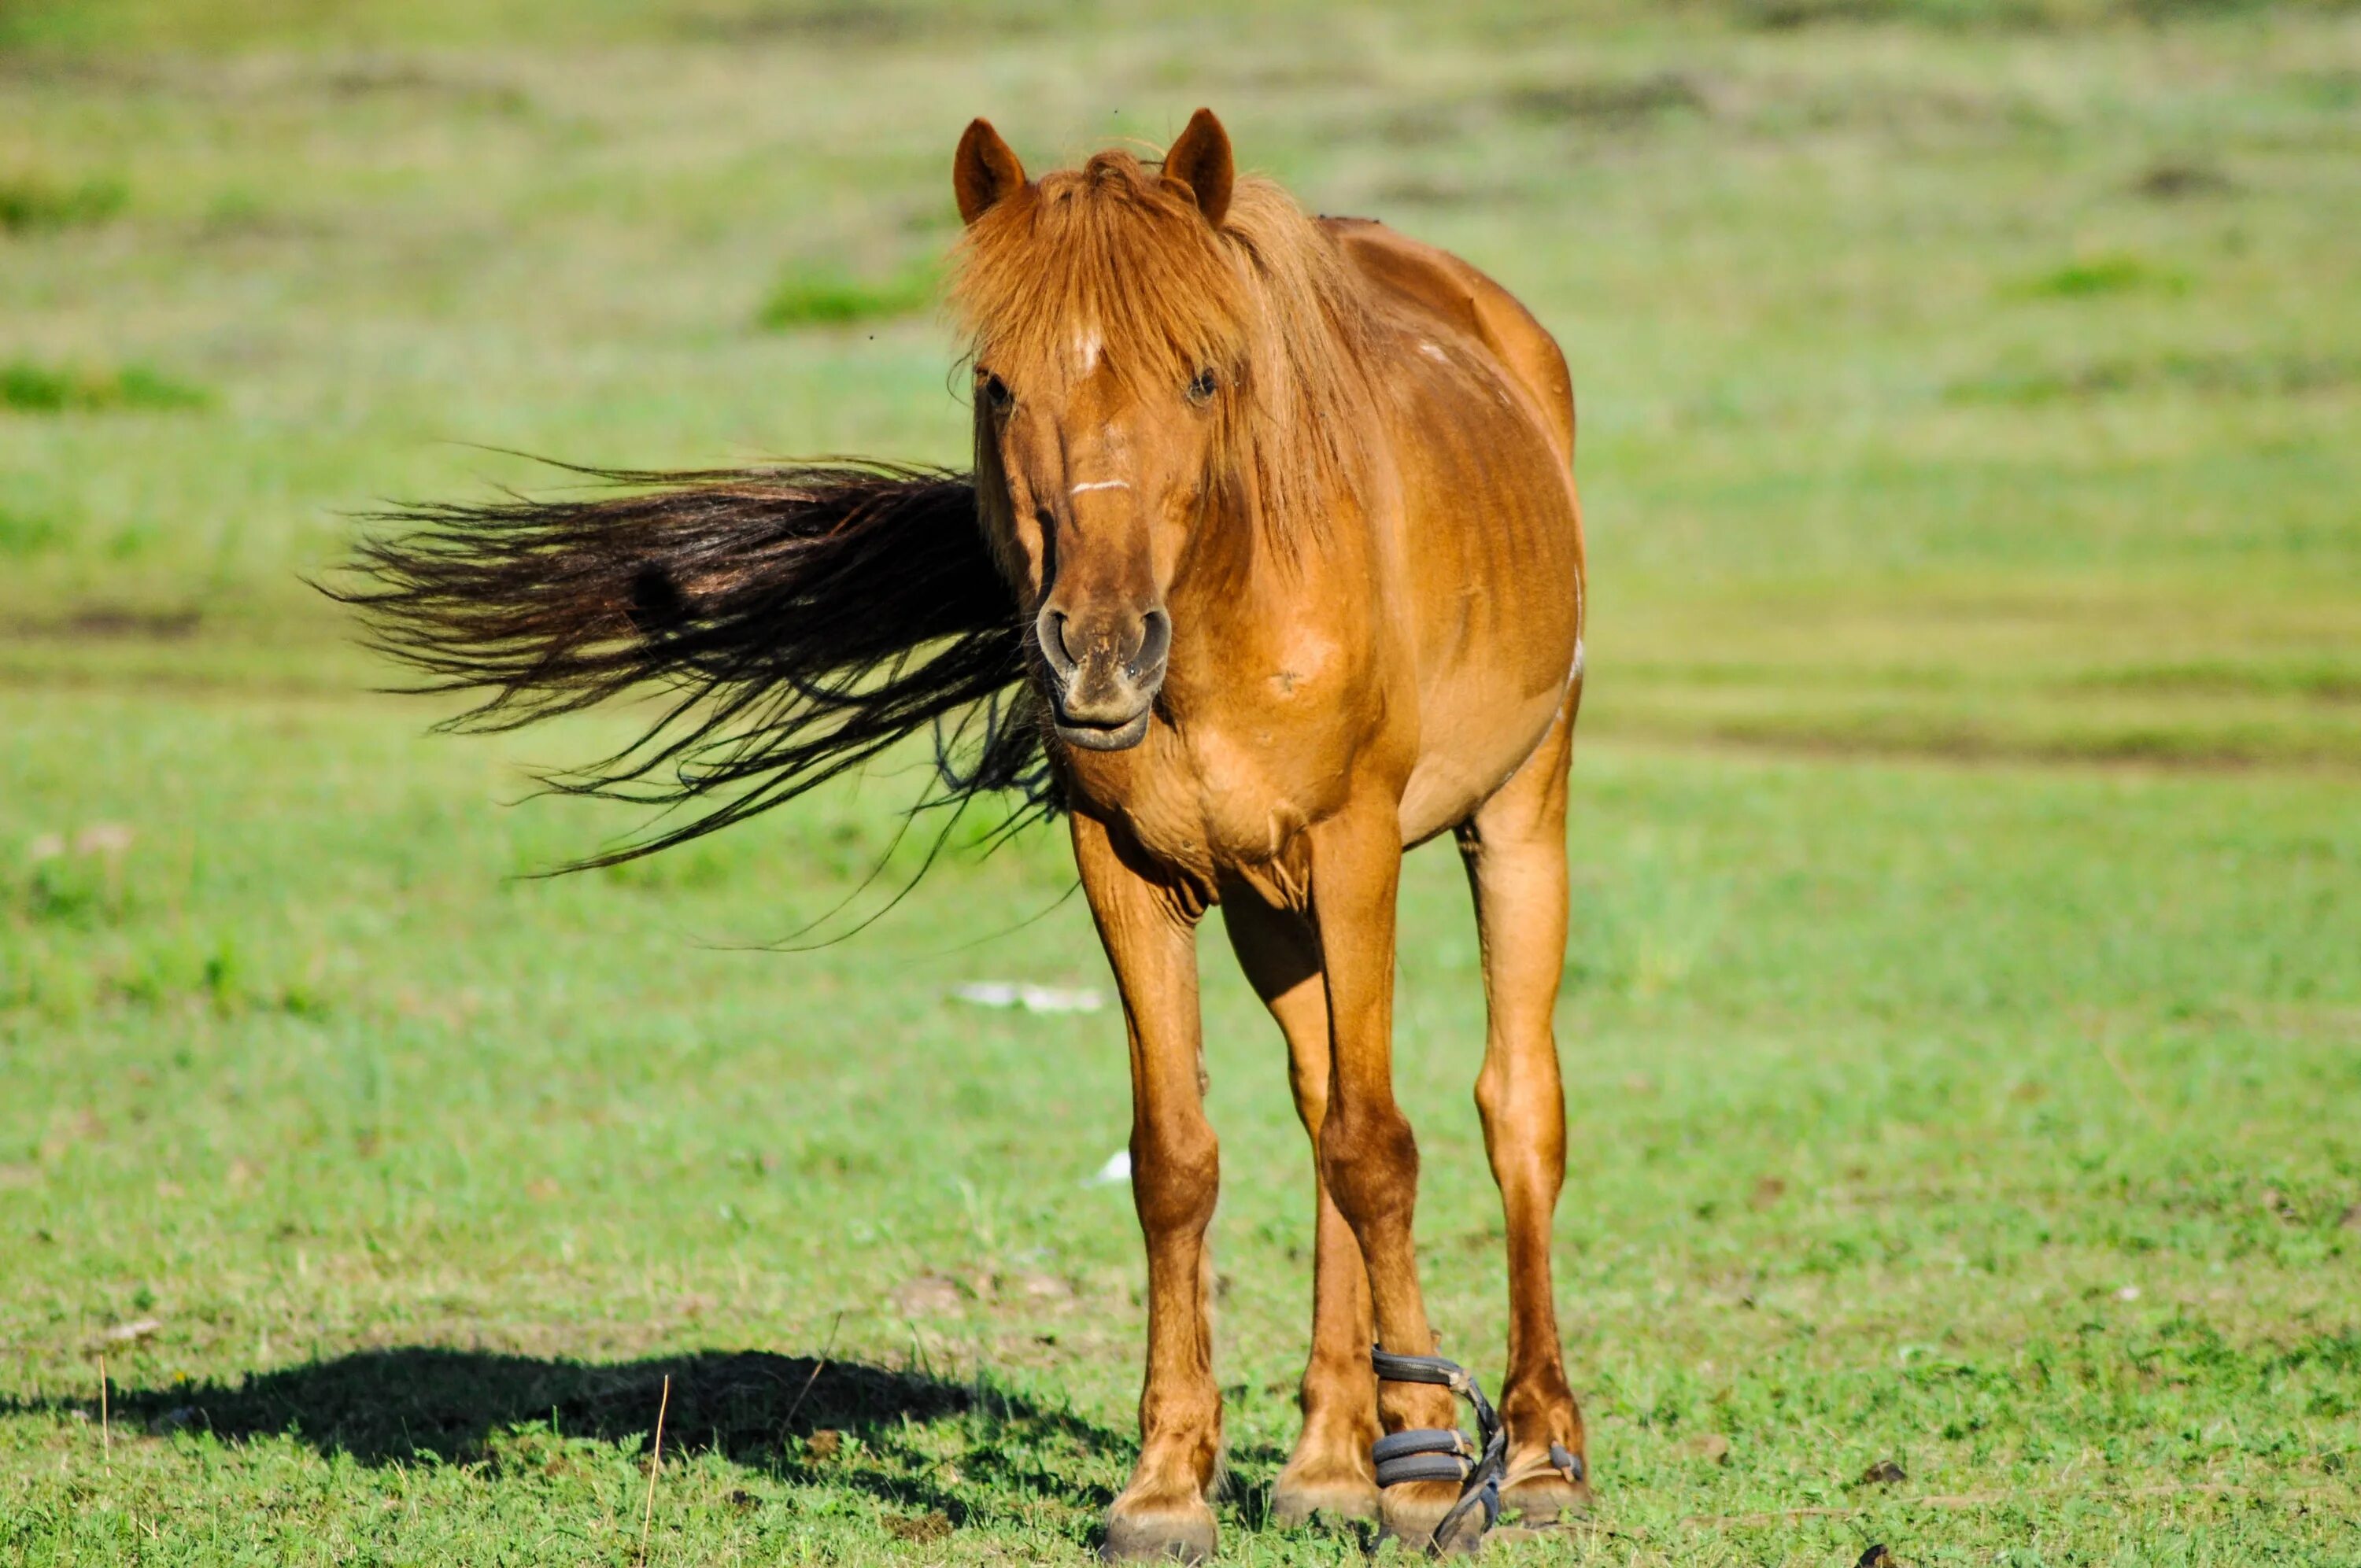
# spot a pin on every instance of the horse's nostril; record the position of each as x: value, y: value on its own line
x: 1049, y: 630
x: 1075, y: 647
x: 1155, y: 641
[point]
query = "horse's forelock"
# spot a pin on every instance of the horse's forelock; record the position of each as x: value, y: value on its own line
x: 1109, y: 251
x: 1112, y: 254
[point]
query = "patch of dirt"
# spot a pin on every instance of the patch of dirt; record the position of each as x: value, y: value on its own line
x: 825, y: 23
x: 110, y: 622
x: 929, y: 1295
x: 934, y: 1525
x: 369, y: 78
x: 1609, y: 102
x: 2175, y: 180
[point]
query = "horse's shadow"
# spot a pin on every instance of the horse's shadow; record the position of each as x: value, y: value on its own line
x: 770, y: 1413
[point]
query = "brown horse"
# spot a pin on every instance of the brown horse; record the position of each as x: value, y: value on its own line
x: 1270, y: 567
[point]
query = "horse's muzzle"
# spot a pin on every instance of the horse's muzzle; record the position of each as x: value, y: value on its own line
x: 1104, y: 707
x: 1103, y: 686
x: 1097, y: 737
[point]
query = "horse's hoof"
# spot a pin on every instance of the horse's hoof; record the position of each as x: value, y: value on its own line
x: 1545, y: 1498
x: 1294, y: 1503
x: 1466, y: 1538
x: 1159, y: 1535
x: 1410, y: 1511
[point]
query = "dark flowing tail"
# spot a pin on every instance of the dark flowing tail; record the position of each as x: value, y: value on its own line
x: 799, y: 620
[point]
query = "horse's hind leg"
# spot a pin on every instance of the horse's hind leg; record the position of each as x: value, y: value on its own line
x: 1514, y: 847
x: 1330, y: 1470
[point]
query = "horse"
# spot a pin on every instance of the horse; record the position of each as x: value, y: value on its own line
x: 1268, y: 567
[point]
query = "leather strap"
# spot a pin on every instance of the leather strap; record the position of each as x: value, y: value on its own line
x: 1441, y: 1454
x: 1424, y: 1454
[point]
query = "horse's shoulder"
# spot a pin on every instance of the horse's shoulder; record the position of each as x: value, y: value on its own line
x: 1430, y: 283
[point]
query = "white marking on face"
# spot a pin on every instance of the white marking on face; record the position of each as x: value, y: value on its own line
x: 1434, y: 353
x: 1099, y: 485
x: 1086, y: 348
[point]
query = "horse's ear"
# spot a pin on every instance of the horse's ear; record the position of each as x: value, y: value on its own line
x: 983, y: 171
x: 1200, y: 161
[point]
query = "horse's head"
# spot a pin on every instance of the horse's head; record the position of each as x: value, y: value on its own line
x: 1110, y: 326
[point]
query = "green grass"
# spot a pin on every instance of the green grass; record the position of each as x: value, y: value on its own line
x: 1890, y: 1083
x: 833, y: 299
x: 1962, y: 1017
x: 21, y: 536
x: 27, y: 388
x: 29, y: 201
x: 2116, y: 274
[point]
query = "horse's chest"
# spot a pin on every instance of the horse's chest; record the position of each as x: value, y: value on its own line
x: 1223, y: 805
x: 1252, y: 745
x: 1219, y: 800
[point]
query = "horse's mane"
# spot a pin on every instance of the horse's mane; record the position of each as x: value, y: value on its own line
x: 1113, y: 252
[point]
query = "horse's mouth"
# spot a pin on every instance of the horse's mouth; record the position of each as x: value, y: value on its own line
x: 1120, y: 737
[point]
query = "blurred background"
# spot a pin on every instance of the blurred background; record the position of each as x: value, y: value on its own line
x: 1978, y: 381
x: 1966, y: 844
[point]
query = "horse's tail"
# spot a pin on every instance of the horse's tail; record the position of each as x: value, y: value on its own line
x: 800, y: 621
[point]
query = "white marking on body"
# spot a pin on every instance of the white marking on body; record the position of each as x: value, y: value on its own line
x: 1574, y: 673
x: 1099, y: 485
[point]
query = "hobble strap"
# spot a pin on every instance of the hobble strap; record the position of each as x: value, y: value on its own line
x: 1555, y: 1460
x: 1443, y: 1454
x: 1424, y: 1453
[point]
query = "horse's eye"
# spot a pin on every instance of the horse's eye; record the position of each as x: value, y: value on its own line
x: 1204, y: 387
x: 995, y: 393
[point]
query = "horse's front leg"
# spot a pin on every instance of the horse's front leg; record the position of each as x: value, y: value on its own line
x: 1149, y: 929
x: 1368, y: 1155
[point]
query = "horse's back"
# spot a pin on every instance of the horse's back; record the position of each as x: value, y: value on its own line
x: 1426, y: 280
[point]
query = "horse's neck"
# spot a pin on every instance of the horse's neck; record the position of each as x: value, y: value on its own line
x: 1267, y: 587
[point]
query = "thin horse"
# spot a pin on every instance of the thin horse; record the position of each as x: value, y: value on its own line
x: 1269, y: 567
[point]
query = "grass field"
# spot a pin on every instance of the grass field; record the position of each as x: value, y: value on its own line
x: 1964, y: 1011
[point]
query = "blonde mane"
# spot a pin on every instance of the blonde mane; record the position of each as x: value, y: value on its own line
x: 1114, y: 255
